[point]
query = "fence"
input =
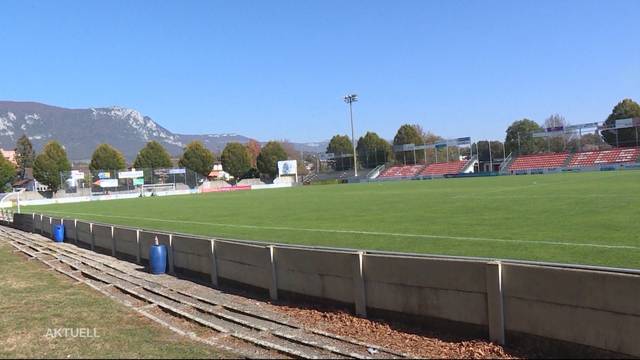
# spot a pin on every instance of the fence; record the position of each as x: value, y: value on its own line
x: 591, y: 306
x: 104, y: 182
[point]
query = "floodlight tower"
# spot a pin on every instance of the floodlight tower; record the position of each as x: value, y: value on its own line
x: 350, y: 99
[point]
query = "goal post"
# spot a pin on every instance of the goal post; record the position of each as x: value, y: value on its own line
x: 154, y: 189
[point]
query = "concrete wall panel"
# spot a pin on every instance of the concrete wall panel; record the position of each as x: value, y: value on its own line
x: 584, y: 288
x: 244, y: 263
x: 24, y: 222
x: 46, y: 226
x: 69, y: 229
x: 602, y: 329
x: 426, y: 272
x: 447, y: 304
x: 37, y: 224
x: 322, y: 274
x: 84, y: 232
x: 192, y: 254
x: 102, y: 236
x: 126, y: 241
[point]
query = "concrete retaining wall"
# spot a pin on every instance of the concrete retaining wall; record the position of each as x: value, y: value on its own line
x: 24, y: 222
x: 83, y: 229
x: 47, y: 226
x: 598, y: 308
x: 595, y: 308
x: 448, y: 289
x: 322, y: 274
x: 102, y: 237
x: 37, y: 223
x: 192, y: 254
x: 243, y: 263
x: 69, y: 230
x: 126, y: 242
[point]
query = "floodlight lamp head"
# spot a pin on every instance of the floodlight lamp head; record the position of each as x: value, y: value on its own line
x: 351, y: 98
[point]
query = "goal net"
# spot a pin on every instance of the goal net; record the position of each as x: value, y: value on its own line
x: 154, y: 189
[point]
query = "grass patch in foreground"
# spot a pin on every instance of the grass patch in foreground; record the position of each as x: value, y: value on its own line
x: 34, y: 300
x: 585, y: 218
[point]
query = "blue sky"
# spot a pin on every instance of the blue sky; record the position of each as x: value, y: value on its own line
x: 278, y: 69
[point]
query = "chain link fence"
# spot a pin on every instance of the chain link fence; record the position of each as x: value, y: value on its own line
x: 134, y: 181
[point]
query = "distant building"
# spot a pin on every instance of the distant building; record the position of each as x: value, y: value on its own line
x: 218, y: 174
x: 29, y: 183
x: 9, y: 155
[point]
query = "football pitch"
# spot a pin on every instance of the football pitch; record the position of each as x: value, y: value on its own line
x: 582, y: 218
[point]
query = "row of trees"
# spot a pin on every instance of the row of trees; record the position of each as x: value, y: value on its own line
x: 519, y: 139
x: 372, y: 150
x: 241, y: 161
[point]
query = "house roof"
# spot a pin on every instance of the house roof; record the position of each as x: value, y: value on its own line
x: 9, y: 155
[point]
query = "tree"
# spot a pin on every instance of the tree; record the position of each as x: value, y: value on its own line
x: 558, y: 142
x: 25, y: 155
x: 431, y: 138
x: 625, y: 109
x: 253, y: 147
x: 341, y: 147
x: 481, y: 148
x: 373, y: 150
x: 409, y: 134
x: 268, y: 158
x: 198, y: 158
x: 587, y: 142
x: 7, y: 174
x: 235, y: 160
x: 49, y: 164
x: 106, y: 157
x: 519, y: 138
x: 293, y: 154
x: 153, y: 156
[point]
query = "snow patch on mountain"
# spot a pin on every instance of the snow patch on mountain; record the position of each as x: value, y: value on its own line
x: 145, y: 127
x: 7, y: 124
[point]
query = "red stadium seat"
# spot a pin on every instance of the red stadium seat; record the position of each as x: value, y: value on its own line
x: 452, y: 167
x: 539, y: 161
x: 594, y: 158
x: 401, y: 171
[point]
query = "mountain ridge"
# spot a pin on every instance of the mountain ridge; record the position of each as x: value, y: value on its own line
x: 81, y: 130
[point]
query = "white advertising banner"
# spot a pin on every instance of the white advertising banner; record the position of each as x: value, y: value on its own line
x: 177, y: 171
x: 287, y: 167
x: 130, y: 174
x: 624, y: 123
x: 109, y: 183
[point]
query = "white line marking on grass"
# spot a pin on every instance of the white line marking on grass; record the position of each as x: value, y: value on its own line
x: 375, y: 233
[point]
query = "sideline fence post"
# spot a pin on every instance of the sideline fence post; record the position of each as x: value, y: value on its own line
x: 93, y: 240
x: 41, y: 225
x: 138, y: 246
x: 495, y: 310
x: 214, y: 265
x: 113, y: 243
x: 273, y: 287
x: 171, y: 268
x: 33, y: 222
x: 359, y: 292
x: 75, y: 225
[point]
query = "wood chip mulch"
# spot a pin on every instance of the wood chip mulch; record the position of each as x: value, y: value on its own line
x: 401, y: 338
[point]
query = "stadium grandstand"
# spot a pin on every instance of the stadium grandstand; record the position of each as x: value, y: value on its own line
x: 514, y: 163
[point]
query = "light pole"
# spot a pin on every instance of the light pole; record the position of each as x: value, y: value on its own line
x: 350, y: 99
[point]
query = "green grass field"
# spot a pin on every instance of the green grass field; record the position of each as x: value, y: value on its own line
x: 35, y: 300
x: 585, y: 218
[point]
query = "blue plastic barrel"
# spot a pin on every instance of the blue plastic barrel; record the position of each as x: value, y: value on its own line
x: 158, y: 259
x: 58, y: 233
